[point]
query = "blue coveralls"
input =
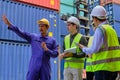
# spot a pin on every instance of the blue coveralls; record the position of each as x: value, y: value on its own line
x: 39, y: 66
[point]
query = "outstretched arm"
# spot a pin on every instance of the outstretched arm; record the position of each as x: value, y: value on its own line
x: 19, y: 32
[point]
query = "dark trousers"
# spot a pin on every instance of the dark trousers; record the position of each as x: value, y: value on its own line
x: 105, y: 75
x: 90, y: 75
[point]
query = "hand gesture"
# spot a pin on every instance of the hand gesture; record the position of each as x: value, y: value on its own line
x: 6, y: 21
x: 43, y: 44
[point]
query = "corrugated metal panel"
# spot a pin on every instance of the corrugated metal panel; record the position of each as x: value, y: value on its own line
x: 51, y: 4
x: 25, y: 17
x: 14, y: 58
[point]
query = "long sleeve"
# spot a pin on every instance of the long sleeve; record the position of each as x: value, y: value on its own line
x: 22, y: 34
x: 97, y: 43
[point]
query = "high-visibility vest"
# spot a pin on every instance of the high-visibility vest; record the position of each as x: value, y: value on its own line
x: 89, y: 66
x: 108, y: 57
x: 71, y: 61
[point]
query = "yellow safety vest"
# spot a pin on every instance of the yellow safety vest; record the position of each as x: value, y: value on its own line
x: 71, y: 61
x: 108, y: 57
x: 89, y: 66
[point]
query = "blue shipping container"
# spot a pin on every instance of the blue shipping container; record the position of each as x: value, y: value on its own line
x: 14, y: 60
x: 25, y: 17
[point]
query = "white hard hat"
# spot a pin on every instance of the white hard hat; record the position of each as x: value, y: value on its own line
x: 74, y: 20
x: 99, y: 12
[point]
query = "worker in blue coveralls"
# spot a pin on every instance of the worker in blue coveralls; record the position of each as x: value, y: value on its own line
x: 43, y: 47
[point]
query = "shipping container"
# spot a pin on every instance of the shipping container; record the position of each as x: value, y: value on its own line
x: 50, y: 4
x: 14, y: 61
x: 112, y: 12
x: 104, y: 2
x: 25, y: 17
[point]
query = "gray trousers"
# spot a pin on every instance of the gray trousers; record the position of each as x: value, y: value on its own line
x: 72, y: 74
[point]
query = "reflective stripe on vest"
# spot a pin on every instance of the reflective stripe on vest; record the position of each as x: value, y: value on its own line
x: 110, y: 48
x: 104, y: 61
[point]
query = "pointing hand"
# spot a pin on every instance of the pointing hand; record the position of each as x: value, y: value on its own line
x: 6, y: 21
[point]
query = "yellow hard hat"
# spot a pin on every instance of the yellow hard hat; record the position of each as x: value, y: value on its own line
x: 44, y: 21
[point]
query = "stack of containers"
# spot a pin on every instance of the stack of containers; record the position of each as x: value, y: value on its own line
x: 112, y: 7
x: 113, y: 11
x: 14, y: 51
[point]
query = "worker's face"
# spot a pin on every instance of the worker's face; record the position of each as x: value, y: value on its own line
x: 43, y: 28
x: 71, y: 27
